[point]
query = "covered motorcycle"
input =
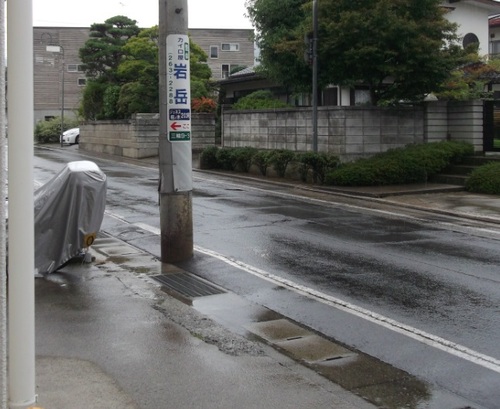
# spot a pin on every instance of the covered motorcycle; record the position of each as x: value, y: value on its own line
x: 69, y: 210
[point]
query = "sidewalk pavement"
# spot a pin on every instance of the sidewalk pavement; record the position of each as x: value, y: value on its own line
x: 109, y: 337
x: 449, y: 200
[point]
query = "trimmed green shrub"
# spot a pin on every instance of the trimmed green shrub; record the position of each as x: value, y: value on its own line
x: 280, y: 159
x: 225, y: 159
x: 317, y: 163
x: 50, y: 131
x: 262, y: 159
x: 243, y: 158
x: 208, y: 158
x: 485, y: 179
x: 412, y: 164
x: 259, y: 100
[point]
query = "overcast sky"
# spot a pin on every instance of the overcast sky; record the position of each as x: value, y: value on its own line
x: 82, y: 13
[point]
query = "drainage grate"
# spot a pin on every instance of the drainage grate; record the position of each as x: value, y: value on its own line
x: 188, y: 285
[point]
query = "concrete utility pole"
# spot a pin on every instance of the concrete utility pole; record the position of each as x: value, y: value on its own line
x: 21, y: 313
x: 176, y: 180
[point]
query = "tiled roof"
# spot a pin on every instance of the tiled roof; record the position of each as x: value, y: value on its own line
x: 494, y: 21
x: 246, y: 71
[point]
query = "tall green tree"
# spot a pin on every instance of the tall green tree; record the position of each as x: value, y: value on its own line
x: 139, y: 74
x: 101, y: 55
x: 121, y: 62
x: 471, y: 79
x: 400, y: 49
x: 279, y: 36
x: 103, y: 51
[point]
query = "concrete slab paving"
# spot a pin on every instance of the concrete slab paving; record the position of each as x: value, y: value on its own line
x: 108, y: 337
x: 313, y: 348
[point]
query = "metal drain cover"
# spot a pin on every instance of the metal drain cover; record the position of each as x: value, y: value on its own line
x: 188, y: 285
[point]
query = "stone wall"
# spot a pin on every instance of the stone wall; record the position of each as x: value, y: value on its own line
x: 465, y: 123
x: 138, y: 137
x: 349, y: 132
x: 457, y: 121
x: 354, y: 132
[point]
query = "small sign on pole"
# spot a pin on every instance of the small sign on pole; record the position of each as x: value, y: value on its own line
x: 178, y: 88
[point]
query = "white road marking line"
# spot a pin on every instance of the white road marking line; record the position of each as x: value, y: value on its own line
x: 149, y: 228
x: 411, y: 332
x: 424, y: 337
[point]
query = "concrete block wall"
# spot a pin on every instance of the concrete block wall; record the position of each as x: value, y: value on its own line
x: 465, y: 123
x: 110, y: 137
x: 456, y: 121
x: 436, y: 121
x: 372, y: 130
x: 138, y: 137
x: 350, y: 132
x: 355, y: 132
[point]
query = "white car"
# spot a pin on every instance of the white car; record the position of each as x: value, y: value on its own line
x: 71, y: 136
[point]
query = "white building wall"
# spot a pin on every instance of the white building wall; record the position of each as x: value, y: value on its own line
x: 472, y: 17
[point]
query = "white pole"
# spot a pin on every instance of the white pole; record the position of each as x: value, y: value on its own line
x: 21, y: 302
x: 3, y: 215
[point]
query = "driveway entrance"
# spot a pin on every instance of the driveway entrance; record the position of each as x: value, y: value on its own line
x: 491, y: 126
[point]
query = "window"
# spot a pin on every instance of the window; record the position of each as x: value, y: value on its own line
x: 495, y: 47
x: 330, y: 96
x: 362, y: 97
x: 227, y: 69
x: 230, y: 47
x: 470, y: 39
x: 214, y: 51
x: 75, y: 68
x: 82, y: 82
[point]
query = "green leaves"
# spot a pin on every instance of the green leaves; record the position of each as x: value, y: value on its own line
x: 485, y: 179
x: 401, y: 49
x: 412, y: 164
x: 121, y: 62
x: 259, y: 100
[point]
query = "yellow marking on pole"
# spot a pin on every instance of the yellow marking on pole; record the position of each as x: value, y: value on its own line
x: 89, y: 239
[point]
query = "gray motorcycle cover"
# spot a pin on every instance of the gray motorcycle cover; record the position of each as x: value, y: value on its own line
x: 68, y: 214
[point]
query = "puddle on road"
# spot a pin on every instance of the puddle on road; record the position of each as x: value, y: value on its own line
x: 375, y: 381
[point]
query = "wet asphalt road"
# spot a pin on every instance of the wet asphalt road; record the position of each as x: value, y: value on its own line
x: 432, y: 275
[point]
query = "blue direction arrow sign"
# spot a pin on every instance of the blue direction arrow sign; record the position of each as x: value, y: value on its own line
x: 179, y: 114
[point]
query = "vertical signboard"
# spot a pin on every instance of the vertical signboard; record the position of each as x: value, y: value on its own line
x: 178, y: 89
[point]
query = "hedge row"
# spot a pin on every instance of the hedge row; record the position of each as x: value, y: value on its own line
x: 306, y: 164
x: 411, y: 164
x: 50, y: 131
x: 485, y: 179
